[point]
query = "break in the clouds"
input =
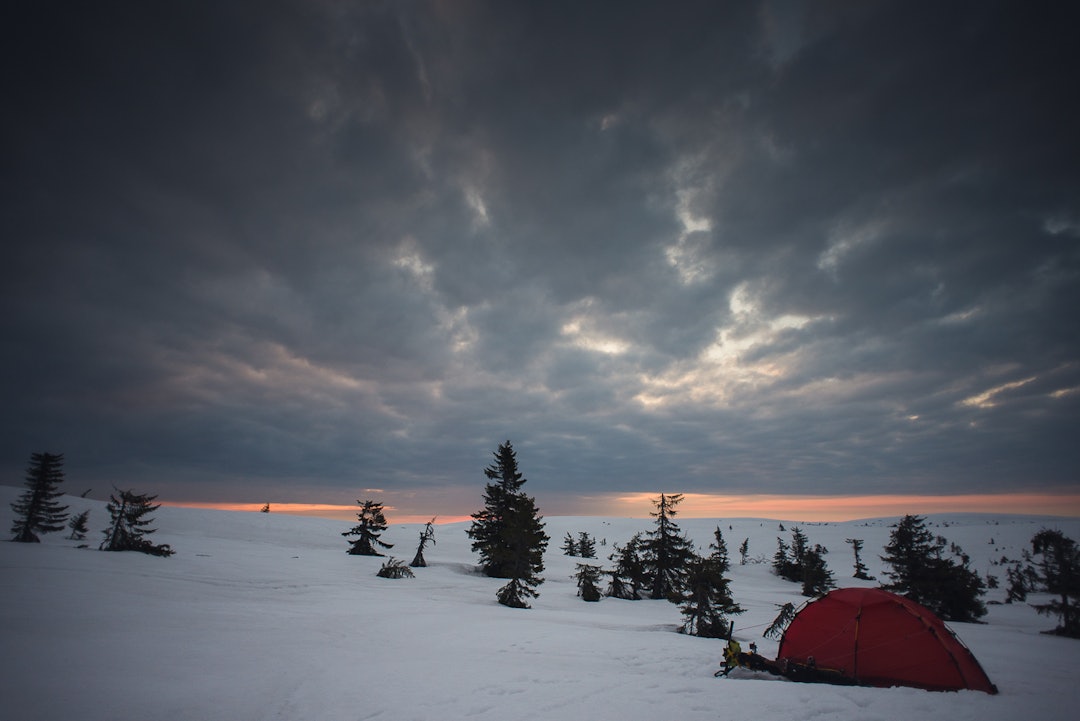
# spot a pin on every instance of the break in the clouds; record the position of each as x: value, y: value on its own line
x: 298, y: 249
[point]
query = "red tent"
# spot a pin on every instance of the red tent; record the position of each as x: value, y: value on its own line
x: 877, y: 638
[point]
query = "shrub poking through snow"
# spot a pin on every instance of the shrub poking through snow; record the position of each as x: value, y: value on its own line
x: 393, y: 568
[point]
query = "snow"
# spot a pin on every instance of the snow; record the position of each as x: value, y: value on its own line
x: 264, y: 616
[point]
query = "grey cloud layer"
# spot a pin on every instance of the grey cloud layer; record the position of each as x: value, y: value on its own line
x: 722, y: 247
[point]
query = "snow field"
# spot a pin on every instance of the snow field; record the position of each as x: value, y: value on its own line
x: 264, y: 616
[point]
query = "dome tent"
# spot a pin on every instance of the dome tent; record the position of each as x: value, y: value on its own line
x: 877, y: 638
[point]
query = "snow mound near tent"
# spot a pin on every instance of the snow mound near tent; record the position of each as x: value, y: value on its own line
x: 264, y: 616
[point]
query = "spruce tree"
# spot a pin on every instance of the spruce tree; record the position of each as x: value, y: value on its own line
x: 920, y: 571
x: 1017, y: 586
x: 515, y: 593
x: 667, y: 552
x: 586, y: 546
x: 426, y: 536
x: 128, y: 524
x: 569, y: 545
x: 782, y: 565
x: 911, y: 545
x: 719, y: 551
x: 1057, y: 570
x: 800, y: 544
x: 37, y: 510
x: 860, y: 567
x: 629, y: 576
x: 744, y: 550
x: 705, y: 598
x: 78, y: 526
x: 509, y: 532
x: 372, y: 522
x: 587, y: 577
x: 817, y: 579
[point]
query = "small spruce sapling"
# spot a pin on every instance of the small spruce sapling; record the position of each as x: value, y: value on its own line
x: 817, y: 579
x: 372, y: 522
x: 782, y: 565
x: 586, y: 546
x: 426, y: 536
x: 860, y: 567
x: 569, y: 545
x: 629, y: 575
x: 78, y: 526
x: 515, y: 593
x: 587, y: 577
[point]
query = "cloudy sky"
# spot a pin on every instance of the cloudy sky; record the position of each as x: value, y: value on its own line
x: 312, y: 251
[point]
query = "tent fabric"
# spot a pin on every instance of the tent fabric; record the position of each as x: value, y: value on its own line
x: 878, y: 638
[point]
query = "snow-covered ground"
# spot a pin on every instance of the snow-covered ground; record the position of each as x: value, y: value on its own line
x: 264, y: 616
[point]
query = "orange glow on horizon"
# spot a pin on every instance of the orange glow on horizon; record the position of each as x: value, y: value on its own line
x: 703, y: 505
x: 320, y: 510
x: 848, y: 508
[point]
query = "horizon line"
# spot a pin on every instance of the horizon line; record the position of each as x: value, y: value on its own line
x: 816, y: 508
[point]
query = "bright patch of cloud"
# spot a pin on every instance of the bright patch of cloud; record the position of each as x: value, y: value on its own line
x: 1061, y: 225
x: 845, y: 239
x: 962, y: 316
x: 1063, y: 392
x: 722, y: 373
x: 689, y: 254
x: 475, y: 199
x: 463, y: 336
x: 409, y: 259
x: 986, y: 399
x: 583, y: 330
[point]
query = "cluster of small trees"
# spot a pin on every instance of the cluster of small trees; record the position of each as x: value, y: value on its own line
x: 371, y: 522
x: 508, y: 534
x: 583, y: 546
x: 38, y: 511
x: 662, y: 564
x: 1052, y: 566
x: 802, y: 563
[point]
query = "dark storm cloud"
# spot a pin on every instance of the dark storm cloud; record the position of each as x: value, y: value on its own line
x: 764, y: 247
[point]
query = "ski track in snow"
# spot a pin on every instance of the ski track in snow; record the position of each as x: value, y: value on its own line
x: 264, y: 616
